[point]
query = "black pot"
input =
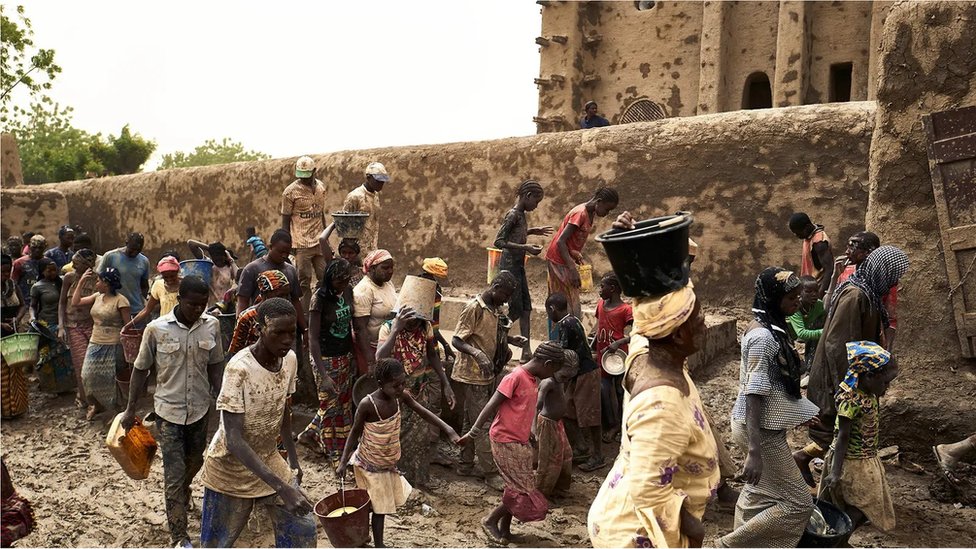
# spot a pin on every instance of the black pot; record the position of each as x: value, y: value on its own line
x: 837, y: 519
x: 652, y: 258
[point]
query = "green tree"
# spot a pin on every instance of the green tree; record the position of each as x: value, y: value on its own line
x: 52, y: 149
x: 211, y: 152
x: 22, y: 65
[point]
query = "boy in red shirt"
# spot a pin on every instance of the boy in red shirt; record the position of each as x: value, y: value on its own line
x: 613, y: 319
x: 565, y: 251
x: 515, y: 403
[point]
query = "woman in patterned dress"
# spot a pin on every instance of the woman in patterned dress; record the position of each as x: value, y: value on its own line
x: 775, y: 504
x: 667, y: 469
x: 331, y: 347
x: 410, y: 339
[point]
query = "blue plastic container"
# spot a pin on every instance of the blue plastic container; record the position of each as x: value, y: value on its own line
x: 197, y: 267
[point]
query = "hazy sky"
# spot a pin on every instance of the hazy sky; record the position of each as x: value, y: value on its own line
x: 290, y: 78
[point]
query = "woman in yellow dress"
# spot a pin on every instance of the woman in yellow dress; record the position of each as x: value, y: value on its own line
x: 667, y: 469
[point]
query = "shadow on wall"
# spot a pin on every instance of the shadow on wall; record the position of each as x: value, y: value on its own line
x: 741, y: 173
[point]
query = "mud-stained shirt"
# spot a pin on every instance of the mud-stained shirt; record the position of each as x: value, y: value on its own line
x: 250, y: 389
x: 182, y: 356
x: 362, y: 199
x: 305, y: 204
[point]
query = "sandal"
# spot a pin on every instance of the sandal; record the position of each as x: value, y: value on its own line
x: 945, y: 469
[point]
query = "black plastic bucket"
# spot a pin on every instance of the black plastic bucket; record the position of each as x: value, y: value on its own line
x: 652, y: 258
x: 836, y: 519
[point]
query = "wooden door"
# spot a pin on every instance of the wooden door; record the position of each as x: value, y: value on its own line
x: 952, y: 163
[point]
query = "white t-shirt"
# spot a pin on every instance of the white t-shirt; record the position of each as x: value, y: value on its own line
x: 249, y: 389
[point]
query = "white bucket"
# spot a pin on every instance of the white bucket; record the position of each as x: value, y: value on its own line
x: 418, y: 294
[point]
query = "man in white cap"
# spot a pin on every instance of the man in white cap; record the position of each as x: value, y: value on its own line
x: 366, y: 198
x: 303, y: 215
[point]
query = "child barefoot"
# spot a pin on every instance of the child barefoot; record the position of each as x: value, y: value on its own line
x: 373, y: 446
x: 613, y: 319
x: 854, y: 478
x: 512, y: 239
x: 515, y: 402
x: 555, y: 469
x: 585, y: 421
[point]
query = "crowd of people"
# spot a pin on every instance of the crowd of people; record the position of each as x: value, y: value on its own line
x: 525, y: 423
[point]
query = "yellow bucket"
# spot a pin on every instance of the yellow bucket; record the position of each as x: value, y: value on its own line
x: 586, y: 277
x: 494, y: 261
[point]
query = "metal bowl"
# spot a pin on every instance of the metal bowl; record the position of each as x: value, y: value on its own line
x: 614, y: 363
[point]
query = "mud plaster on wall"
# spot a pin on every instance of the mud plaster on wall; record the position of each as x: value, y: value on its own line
x: 741, y: 173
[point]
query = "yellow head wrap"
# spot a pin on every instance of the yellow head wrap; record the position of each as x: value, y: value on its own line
x: 658, y: 317
x: 435, y: 266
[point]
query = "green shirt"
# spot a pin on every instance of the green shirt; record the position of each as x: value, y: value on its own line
x: 807, y: 326
x: 862, y: 409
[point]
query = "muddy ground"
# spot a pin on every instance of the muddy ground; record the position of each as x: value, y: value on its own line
x: 81, y: 497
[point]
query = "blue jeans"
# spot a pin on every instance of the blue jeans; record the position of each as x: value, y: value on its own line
x: 224, y: 517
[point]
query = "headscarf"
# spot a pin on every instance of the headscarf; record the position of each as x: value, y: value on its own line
x: 435, y: 266
x: 271, y: 280
x: 659, y: 317
x: 875, y: 277
x: 86, y: 255
x: 168, y: 264
x: 375, y: 257
x: 862, y: 357
x: 771, y: 286
x: 336, y: 268
x: 112, y: 278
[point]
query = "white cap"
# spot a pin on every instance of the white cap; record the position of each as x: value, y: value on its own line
x: 378, y: 171
x: 304, y: 167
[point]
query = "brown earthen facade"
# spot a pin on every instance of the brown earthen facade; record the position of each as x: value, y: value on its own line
x: 648, y: 60
x: 742, y: 174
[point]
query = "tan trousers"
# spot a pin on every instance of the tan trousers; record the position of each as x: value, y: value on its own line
x: 309, y: 261
x: 475, y: 399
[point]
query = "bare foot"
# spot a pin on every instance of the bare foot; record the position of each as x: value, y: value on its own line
x: 803, y: 462
x: 92, y: 412
x: 494, y: 534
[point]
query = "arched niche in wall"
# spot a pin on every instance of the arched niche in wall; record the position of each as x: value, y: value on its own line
x: 642, y: 110
x: 758, y: 93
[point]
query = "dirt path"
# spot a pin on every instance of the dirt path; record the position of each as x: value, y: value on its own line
x: 82, y: 498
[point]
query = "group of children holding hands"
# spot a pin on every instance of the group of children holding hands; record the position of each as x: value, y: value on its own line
x: 528, y: 426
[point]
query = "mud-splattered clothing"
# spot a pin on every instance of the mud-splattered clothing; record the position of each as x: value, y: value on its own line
x: 555, y: 470
x: 362, y: 199
x: 260, y: 394
x: 181, y: 447
x: 224, y: 518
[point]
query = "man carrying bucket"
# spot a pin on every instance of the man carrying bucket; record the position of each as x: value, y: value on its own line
x: 186, y: 349
x: 366, y: 198
x: 303, y: 216
x: 243, y: 468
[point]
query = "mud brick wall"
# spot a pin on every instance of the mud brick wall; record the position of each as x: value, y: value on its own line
x: 741, y: 173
